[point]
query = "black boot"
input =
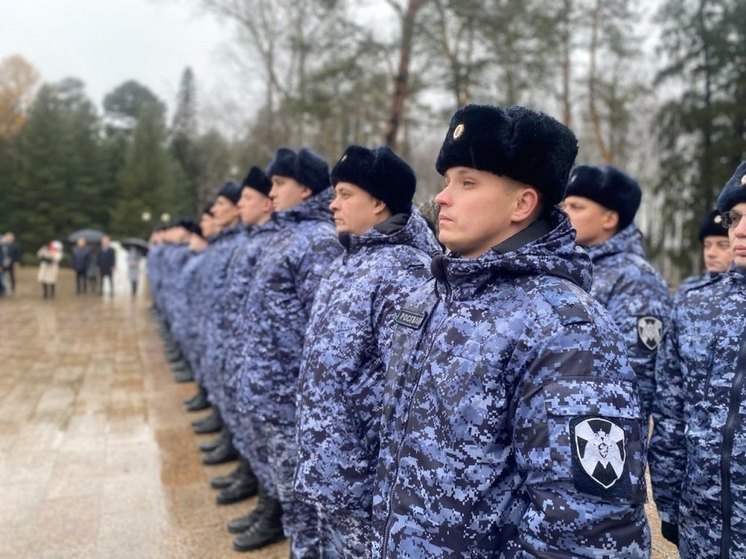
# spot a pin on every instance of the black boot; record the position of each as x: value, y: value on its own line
x: 210, y: 424
x: 221, y: 482
x: 266, y: 530
x: 209, y: 446
x: 199, y: 403
x: 244, y: 486
x: 201, y: 393
x: 185, y: 376
x: 243, y: 523
x: 180, y: 366
x: 51, y: 290
x: 226, y: 452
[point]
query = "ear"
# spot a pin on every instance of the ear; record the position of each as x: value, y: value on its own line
x: 610, y: 220
x: 307, y: 193
x: 526, y: 202
x: 379, y: 207
x: 267, y: 205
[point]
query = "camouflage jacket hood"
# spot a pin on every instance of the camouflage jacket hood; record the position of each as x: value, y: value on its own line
x: 553, y: 253
x: 301, y: 245
x: 495, y: 368
x: 698, y: 449
x: 637, y: 298
x: 342, y: 370
x: 626, y: 241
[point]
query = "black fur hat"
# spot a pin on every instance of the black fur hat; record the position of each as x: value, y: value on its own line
x: 190, y: 225
x: 609, y: 187
x: 257, y: 180
x: 231, y: 191
x: 712, y: 226
x: 734, y: 191
x: 381, y: 173
x: 306, y: 166
x: 515, y: 142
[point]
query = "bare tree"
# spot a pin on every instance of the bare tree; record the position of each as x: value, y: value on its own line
x: 407, y: 18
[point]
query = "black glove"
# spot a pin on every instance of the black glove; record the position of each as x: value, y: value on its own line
x: 670, y: 532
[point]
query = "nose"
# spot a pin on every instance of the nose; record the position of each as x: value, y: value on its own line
x: 443, y: 197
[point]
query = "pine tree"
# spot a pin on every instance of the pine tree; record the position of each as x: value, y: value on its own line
x: 183, y: 136
x: 147, y: 178
x: 701, y: 130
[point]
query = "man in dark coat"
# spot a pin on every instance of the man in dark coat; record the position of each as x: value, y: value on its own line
x: 80, y: 260
x: 107, y: 261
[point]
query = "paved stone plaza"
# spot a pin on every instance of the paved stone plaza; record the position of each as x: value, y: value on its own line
x: 97, y: 456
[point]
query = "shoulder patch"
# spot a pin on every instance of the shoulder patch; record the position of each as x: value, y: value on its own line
x: 410, y: 318
x: 649, y: 332
x: 599, y: 456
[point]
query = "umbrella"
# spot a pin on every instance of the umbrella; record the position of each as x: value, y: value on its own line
x: 133, y: 242
x: 90, y: 235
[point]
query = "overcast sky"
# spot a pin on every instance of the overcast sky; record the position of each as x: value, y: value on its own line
x: 106, y: 42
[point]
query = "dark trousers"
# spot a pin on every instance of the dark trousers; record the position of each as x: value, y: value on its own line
x: 12, y: 276
x: 81, y: 282
x: 105, y: 275
x: 48, y: 290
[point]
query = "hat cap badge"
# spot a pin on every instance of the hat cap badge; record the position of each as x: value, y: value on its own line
x: 717, y: 219
x: 743, y: 180
x: 343, y: 158
x: 458, y: 131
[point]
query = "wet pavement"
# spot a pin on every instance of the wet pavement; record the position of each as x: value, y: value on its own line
x: 97, y: 456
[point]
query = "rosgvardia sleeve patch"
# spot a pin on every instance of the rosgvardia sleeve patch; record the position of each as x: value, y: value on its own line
x: 603, y: 447
x: 649, y: 332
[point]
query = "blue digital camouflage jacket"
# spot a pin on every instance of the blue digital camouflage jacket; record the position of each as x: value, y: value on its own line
x: 637, y: 298
x: 210, y: 283
x: 698, y: 449
x: 280, y: 297
x: 342, y: 370
x: 512, y: 425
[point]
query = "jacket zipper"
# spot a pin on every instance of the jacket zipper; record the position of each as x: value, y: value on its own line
x: 726, y: 455
x: 390, y: 519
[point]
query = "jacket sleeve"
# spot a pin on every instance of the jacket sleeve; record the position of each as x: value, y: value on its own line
x: 635, y: 301
x: 667, y: 447
x: 579, y: 447
x: 311, y: 268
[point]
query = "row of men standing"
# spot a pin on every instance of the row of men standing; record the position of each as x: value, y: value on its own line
x: 391, y: 400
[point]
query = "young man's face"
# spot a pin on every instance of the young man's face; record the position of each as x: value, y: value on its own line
x: 208, y: 225
x: 476, y: 210
x: 355, y: 210
x: 737, y: 236
x: 253, y: 207
x: 287, y: 192
x: 105, y: 242
x: 593, y: 223
x: 717, y: 253
x: 224, y: 212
